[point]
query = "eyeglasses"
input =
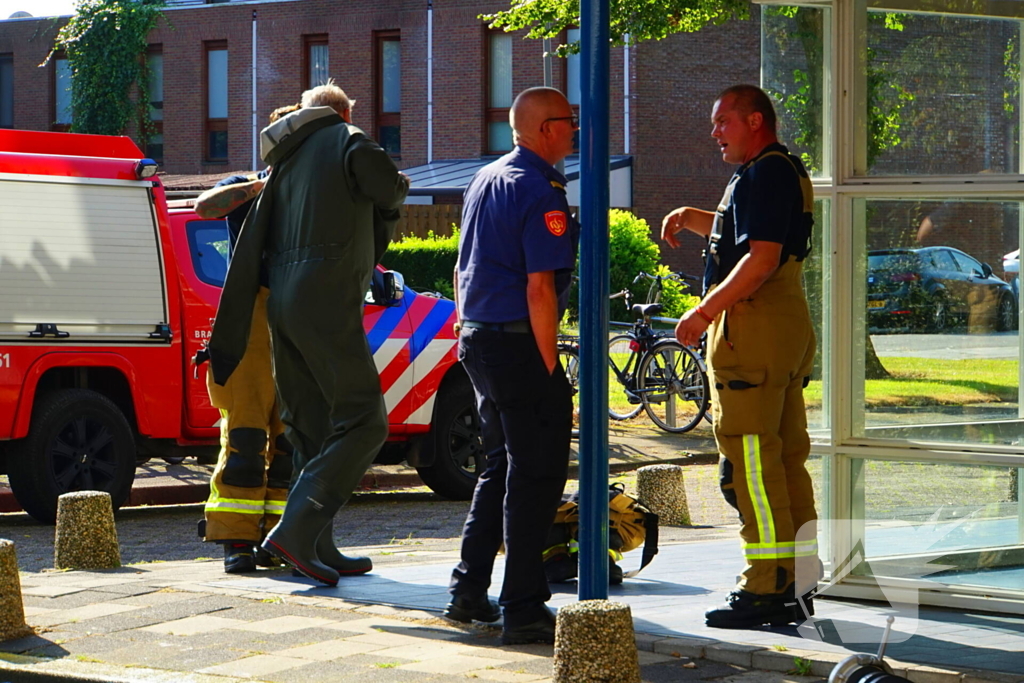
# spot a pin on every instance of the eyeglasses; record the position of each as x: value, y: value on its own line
x: 573, y: 120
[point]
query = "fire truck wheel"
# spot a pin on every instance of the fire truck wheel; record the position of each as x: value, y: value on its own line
x: 458, y: 449
x: 79, y: 440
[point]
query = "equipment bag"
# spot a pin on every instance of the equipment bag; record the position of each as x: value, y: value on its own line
x: 630, y: 525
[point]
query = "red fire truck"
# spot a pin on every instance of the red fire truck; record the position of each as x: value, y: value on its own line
x: 106, y: 294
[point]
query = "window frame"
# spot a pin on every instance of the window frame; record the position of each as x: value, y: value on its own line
x: 308, y: 42
x: 158, y: 124
x: 383, y: 118
x: 54, y: 125
x: 213, y: 125
x: 9, y: 58
x: 492, y: 114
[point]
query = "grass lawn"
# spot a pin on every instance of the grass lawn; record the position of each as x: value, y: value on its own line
x: 934, y: 382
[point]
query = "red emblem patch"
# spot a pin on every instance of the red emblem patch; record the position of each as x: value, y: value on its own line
x: 556, y: 222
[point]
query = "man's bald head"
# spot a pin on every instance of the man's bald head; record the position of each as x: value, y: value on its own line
x: 532, y: 107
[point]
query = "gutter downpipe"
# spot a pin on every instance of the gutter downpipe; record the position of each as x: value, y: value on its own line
x: 594, y: 177
x: 255, y: 126
x: 625, y: 95
x: 430, y: 81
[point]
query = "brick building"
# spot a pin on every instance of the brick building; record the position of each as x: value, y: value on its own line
x: 207, y: 117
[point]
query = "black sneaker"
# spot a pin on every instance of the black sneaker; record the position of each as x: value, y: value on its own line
x: 465, y: 609
x: 749, y: 610
x: 540, y: 631
x: 239, y: 558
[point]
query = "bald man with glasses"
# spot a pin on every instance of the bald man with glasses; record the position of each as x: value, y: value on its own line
x: 517, y: 251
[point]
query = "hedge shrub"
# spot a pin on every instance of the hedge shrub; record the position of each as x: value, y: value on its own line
x: 427, y: 263
x: 631, y: 250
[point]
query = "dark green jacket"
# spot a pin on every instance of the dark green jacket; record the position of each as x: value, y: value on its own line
x: 330, y: 188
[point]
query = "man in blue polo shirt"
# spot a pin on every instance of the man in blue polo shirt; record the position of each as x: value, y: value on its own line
x: 760, y: 353
x: 517, y: 250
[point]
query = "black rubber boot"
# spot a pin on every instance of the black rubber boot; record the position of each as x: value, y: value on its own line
x: 309, y: 509
x: 329, y: 554
x: 749, y: 610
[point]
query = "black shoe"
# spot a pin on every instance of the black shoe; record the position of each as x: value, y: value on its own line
x: 614, y: 573
x: 561, y: 568
x: 238, y: 558
x: 749, y: 610
x: 329, y: 554
x: 540, y: 631
x: 803, y: 608
x: 265, y: 559
x: 465, y: 609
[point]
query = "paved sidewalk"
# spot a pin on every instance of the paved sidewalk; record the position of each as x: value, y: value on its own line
x: 188, y: 621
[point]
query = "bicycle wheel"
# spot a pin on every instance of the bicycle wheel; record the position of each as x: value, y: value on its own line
x: 569, y: 356
x: 673, y: 387
x: 622, y: 362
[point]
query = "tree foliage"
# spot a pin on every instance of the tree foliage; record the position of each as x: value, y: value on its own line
x: 105, y: 43
x: 632, y: 21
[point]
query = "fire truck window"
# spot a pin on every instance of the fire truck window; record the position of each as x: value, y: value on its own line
x: 208, y: 242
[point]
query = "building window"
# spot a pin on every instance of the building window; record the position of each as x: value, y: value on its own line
x: 388, y: 115
x: 317, y: 61
x: 216, y: 101
x: 499, y: 92
x: 155, y: 63
x: 6, y: 91
x: 62, y: 114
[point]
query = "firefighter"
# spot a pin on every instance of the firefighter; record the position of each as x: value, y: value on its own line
x: 249, y: 485
x: 760, y: 352
x: 324, y: 219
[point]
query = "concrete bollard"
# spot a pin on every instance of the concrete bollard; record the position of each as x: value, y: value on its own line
x: 86, y: 536
x: 594, y: 641
x: 12, y: 612
x: 661, y: 490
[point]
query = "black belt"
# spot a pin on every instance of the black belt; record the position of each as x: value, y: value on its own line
x: 518, y: 326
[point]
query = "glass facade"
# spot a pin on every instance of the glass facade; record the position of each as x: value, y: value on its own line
x: 907, y: 114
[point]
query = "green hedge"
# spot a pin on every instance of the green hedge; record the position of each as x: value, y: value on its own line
x: 631, y: 249
x: 427, y: 263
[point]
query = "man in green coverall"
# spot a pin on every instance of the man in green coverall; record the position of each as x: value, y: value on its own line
x: 322, y: 222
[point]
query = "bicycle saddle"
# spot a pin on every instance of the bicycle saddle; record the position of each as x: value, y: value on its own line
x: 646, y: 309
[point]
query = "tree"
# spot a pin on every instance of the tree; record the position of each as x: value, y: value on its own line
x: 105, y: 43
x: 632, y: 21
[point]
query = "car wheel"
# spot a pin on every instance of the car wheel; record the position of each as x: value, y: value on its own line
x: 940, y: 314
x: 79, y: 441
x: 1006, y: 314
x: 458, y: 448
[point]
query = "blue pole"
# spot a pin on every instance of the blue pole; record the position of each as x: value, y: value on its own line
x: 594, y: 176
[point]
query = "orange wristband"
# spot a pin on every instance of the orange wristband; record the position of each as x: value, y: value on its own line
x: 701, y: 313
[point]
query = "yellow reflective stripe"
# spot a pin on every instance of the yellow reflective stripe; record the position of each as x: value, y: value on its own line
x: 615, y: 555
x: 755, y: 487
x: 769, y: 556
x: 240, y: 504
x: 274, y: 508
x: 218, y: 507
x: 779, y: 550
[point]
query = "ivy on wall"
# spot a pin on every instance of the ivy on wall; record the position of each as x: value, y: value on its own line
x: 105, y: 43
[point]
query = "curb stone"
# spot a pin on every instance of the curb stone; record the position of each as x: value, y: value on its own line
x: 822, y: 663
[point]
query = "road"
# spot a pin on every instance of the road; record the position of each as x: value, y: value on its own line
x: 1004, y: 345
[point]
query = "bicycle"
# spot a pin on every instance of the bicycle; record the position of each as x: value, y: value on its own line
x: 656, y: 373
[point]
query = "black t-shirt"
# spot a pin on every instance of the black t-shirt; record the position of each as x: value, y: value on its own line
x: 764, y: 201
x: 237, y: 217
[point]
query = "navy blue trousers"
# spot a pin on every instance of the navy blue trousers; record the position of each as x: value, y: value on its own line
x: 526, y: 420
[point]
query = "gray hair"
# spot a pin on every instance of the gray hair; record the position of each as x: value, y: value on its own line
x: 327, y: 95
